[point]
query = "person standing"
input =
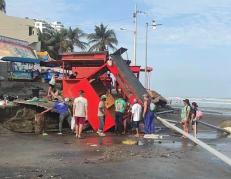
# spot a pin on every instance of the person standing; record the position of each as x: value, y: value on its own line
x: 126, y: 117
x: 52, y: 92
x: 109, y: 83
x: 73, y: 75
x: 120, y: 106
x: 62, y: 109
x: 186, y: 115
x: 196, y: 115
x: 101, y: 115
x: 148, y: 116
x: 80, y: 113
x: 136, y: 116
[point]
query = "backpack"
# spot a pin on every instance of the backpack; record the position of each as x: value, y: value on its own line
x: 199, y: 114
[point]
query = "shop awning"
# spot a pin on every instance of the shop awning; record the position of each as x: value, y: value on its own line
x: 20, y: 59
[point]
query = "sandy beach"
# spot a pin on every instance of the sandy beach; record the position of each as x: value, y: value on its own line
x: 52, y: 156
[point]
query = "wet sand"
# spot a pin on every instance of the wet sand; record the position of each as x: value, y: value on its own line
x: 53, y: 156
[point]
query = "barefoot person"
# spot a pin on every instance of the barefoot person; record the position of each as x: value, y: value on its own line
x: 195, y: 116
x: 186, y: 115
x: 80, y: 113
x: 62, y: 109
x: 136, y: 115
x: 101, y: 115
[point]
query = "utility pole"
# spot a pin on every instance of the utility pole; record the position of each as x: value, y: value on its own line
x: 135, y: 32
x: 147, y: 79
x: 146, y: 58
x: 135, y: 35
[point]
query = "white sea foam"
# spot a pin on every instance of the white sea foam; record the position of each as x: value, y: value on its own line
x: 218, y: 105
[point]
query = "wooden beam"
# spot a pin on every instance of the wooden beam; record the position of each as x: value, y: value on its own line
x: 218, y: 154
x: 214, y: 127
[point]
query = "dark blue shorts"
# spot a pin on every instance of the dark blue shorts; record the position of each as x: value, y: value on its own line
x: 135, y: 124
x: 194, y: 122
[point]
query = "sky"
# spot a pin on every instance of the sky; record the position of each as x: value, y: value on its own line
x: 190, y: 52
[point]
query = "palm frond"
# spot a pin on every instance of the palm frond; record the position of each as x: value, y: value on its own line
x: 102, y: 38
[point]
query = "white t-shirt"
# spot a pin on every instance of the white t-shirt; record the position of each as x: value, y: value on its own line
x: 136, y: 111
x: 80, y: 106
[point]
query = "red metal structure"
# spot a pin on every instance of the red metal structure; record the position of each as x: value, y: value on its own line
x: 92, y: 69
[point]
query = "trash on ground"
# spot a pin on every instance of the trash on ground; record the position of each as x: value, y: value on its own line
x: 153, y: 136
x: 228, y: 129
x: 129, y: 142
x: 140, y: 143
x: 93, y: 145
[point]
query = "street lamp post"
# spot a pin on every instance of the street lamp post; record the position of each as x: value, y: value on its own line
x: 135, y: 32
x: 135, y: 36
x: 154, y: 26
x: 135, y: 16
x: 146, y: 57
x: 134, y: 42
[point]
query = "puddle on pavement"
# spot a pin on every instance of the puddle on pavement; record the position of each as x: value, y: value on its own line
x: 208, y: 135
x: 167, y: 141
x: 99, y: 141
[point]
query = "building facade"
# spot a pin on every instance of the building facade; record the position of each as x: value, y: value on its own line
x: 18, y: 28
x: 43, y: 26
x: 58, y: 26
x: 46, y: 27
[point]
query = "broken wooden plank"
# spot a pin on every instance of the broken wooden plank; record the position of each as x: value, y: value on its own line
x: 213, y: 151
x: 44, y: 105
x: 214, y: 127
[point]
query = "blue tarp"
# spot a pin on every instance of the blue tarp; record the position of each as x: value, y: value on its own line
x: 22, y: 60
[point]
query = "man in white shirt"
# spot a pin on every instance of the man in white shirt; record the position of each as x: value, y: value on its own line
x: 136, y: 115
x: 80, y: 113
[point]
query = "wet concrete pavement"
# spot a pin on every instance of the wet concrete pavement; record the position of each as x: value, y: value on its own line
x: 52, y: 156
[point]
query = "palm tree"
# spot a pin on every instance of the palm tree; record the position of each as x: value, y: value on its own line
x: 59, y: 42
x: 3, y: 6
x: 43, y: 38
x: 102, y: 39
x: 74, y: 37
x: 55, y: 42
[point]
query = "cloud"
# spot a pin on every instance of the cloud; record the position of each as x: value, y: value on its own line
x: 197, y: 23
x: 50, y: 10
x: 170, y: 8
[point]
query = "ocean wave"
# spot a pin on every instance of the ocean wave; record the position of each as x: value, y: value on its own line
x: 203, y: 100
x: 217, y: 105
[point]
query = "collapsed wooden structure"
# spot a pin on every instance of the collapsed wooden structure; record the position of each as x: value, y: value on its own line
x: 93, y: 69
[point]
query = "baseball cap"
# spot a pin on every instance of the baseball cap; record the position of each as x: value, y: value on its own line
x: 103, y: 97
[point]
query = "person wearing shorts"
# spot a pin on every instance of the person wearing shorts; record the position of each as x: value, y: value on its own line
x: 136, y: 116
x: 80, y: 113
x: 186, y: 115
x: 194, y: 118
